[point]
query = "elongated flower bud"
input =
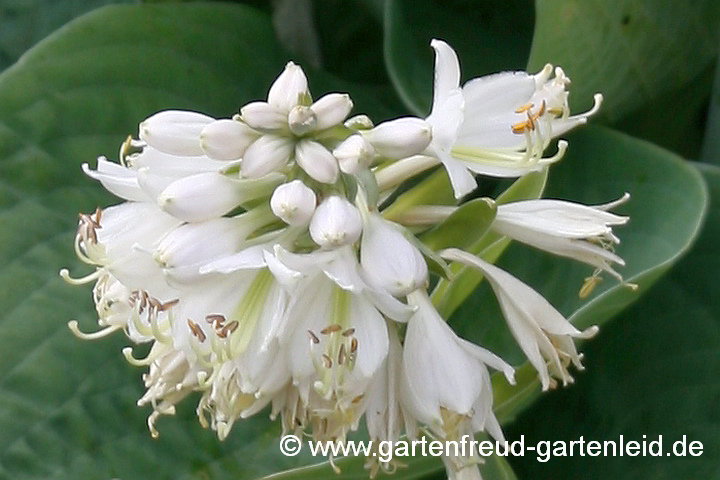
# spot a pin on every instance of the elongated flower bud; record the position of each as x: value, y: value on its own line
x: 390, y: 261
x: 400, y: 138
x: 354, y: 154
x: 331, y: 109
x: 175, y: 131
x: 317, y: 161
x: 293, y: 202
x: 289, y: 89
x: 226, y: 139
x: 209, y: 195
x: 336, y: 222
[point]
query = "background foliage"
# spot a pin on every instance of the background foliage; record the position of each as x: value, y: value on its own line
x: 71, y: 91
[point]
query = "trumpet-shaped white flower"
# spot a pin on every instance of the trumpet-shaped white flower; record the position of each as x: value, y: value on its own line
x: 446, y: 383
x: 573, y: 230
x: 540, y: 330
x: 501, y: 124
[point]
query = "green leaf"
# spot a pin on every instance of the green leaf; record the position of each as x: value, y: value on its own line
x: 463, y: 227
x: 26, y: 22
x: 489, y: 36
x: 666, y: 211
x: 632, y: 51
x: 654, y: 371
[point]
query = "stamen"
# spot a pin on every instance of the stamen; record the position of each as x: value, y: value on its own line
x: 313, y: 338
x: 348, y: 332
x: 65, y: 274
x: 73, y: 326
x: 589, y: 285
x: 229, y: 328
x: 353, y: 345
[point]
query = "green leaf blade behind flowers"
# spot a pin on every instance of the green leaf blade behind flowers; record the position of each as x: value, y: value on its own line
x: 632, y: 51
x: 666, y: 210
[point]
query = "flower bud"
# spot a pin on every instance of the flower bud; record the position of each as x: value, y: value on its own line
x: 267, y: 154
x: 359, y: 122
x: 200, y: 197
x: 331, y: 109
x: 390, y: 261
x: 226, y: 139
x: 400, y: 138
x: 301, y: 120
x: 289, y: 89
x: 317, y: 161
x: 263, y: 116
x: 293, y: 202
x: 354, y: 154
x: 336, y: 222
x: 175, y: 131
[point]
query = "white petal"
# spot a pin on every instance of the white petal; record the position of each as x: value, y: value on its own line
x: 447, y: 72
x: 117, y: 180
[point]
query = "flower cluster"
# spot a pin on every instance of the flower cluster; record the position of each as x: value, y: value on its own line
x: 253, y: 255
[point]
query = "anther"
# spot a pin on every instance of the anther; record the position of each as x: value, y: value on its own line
x: 331, y: 329
x: 341, y: 354
x: 353, y: 345
x: 348, y: 332
x: 524, y: 108
x: 327, y: 361
x: 313, y: 338
x: 196, y: 330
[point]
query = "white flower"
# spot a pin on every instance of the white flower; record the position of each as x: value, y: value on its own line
x: 573, y: 230
x: 446, y: 383
x: 294, y: 203
x: 503, y: 123
x: 542, y: 332
x: 389, y: 260
x: 291, y: 124
x: 175, y: 132
x: 336, y: 222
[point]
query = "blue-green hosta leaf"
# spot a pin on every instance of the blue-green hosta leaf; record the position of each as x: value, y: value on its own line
x: 666, y: 211
x: 632, y: 51
x: 654, y: 371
